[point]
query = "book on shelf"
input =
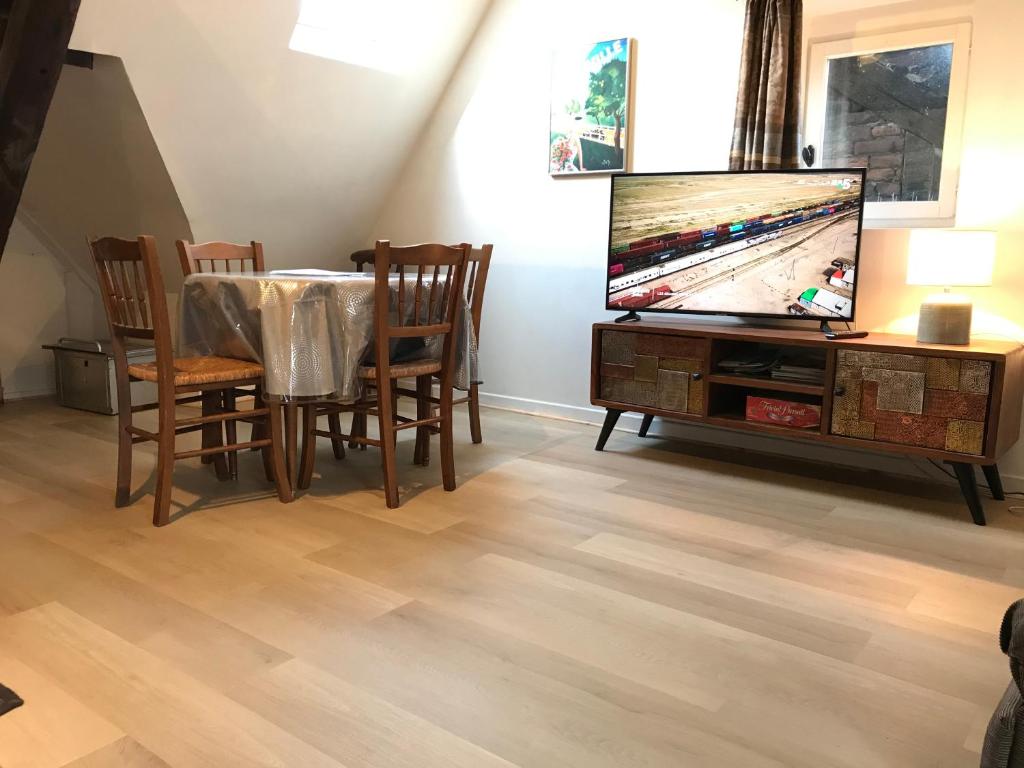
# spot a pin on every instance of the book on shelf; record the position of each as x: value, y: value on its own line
x: 799, y: 373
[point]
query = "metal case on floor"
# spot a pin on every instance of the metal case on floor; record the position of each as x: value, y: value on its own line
x: 85, y: 375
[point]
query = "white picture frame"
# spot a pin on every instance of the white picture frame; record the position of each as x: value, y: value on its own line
x: 898, y: 213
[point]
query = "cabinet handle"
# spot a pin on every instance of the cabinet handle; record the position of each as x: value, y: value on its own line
x: 839, y: 391
x: 696, y: 376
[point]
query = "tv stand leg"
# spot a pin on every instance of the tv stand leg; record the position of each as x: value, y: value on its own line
x: 610, y: 420
x: 629, y: 317
x: 969, y: 488
x: 995, y: 483
x: 645, y: 424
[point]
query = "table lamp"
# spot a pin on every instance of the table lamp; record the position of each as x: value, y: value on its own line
x: 947, y: 258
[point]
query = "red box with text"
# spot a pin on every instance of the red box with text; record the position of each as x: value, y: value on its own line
x: 784, y: 413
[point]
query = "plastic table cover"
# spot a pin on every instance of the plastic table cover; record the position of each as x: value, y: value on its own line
x: 311, y: 332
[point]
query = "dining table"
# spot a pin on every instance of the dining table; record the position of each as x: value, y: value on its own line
x: 311, y: 330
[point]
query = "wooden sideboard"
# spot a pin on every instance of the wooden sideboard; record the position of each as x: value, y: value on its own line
x: 960, y: 405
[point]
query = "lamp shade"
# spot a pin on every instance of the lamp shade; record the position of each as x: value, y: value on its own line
x: 951, y: 257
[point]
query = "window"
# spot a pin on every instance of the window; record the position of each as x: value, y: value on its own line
x: 892, y: 104
x: 363, y: 33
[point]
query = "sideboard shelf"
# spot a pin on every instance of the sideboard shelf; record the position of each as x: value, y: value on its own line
x: 760, y: 382
x: 885, y: 393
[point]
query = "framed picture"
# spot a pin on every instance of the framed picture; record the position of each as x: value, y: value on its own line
x: 590, y: 108
x: 894, y: 104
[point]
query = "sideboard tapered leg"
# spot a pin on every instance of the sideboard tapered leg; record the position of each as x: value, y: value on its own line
x: 609, y: 424
x: 969, y: 488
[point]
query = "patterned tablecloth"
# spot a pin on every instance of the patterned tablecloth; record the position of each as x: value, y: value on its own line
x: 310, y: 331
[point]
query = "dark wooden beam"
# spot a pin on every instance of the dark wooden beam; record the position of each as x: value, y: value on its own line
x: 32, y: 53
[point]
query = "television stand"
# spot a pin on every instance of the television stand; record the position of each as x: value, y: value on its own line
x: 887, y: 394
x: 629, y: 317
x: 825, y: 327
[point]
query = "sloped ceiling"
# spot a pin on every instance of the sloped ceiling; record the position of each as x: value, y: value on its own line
x: 263, y: 142
x: 98, y: 171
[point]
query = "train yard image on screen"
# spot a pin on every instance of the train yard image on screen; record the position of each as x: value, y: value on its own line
x: 781, y: 244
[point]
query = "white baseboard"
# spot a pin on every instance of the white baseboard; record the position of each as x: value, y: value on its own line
x: 27, y: 394
x: 709, y: 435
x: 577, y: 413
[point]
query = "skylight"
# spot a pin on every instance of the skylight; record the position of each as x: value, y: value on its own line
x: 380, y: 35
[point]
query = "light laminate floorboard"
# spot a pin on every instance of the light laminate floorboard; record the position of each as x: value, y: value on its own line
x: 655, y: 605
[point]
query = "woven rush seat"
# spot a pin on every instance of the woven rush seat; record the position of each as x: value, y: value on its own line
x: 403, y: 370
x: 194, y: 371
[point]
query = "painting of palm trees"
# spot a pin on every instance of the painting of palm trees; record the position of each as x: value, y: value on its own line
x: 590, y: 109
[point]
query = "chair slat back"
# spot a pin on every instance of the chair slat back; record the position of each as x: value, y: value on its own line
x: 132, y: 289
x: 429, y: 280
x: 219, y: 257
x: 477, y: 266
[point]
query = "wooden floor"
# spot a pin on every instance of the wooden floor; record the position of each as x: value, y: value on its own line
x: 640, y: 607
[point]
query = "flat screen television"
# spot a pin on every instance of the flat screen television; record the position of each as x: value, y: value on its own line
x: 779, y: 244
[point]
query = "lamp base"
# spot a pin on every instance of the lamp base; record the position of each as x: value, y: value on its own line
x: 944, y: 322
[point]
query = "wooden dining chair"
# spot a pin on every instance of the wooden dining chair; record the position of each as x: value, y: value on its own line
x: 477, y: 266
x: 132, y: 290
x: 362, y: 257
x: 217, y: 256
x: 429, y: 281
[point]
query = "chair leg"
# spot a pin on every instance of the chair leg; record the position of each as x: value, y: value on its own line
x: 422, y: 453
x: 164, y: 459
x: 212, y: 433
x: 280, y: 472
x: 124, y: 453
x: 474, y: 414
x: 447, y: 439
x: 358, y: 430
x: 394, y: 411
x: 261, y: 431
x: 337, y: 444
x: 231, y: 433
x: 207, y: 438
x: 308, y: 446
x: 386, y: 422
x: 290, y: 443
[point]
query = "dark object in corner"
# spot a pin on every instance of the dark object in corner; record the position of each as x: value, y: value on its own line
x: 1004, y: 738
x: 808, y: 155
x: 83, y: 59
x: 9, y: 700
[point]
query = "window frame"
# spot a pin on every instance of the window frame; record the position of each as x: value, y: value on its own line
x: 904, y: 213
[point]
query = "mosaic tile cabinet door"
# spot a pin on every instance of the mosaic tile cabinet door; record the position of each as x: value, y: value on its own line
x: 646, y: 369
x: 957, y: 404
x: 931, y: 402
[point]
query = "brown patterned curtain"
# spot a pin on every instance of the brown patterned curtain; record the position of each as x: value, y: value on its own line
x: 768, y: 102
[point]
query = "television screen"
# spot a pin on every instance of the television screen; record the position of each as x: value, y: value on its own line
x: 761, y: 243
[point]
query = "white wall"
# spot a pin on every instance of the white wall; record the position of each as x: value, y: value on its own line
x: 32, y: 313
x: 262, y: 142
x: 98, y: 171
x: 550, y: 234
x: 481, y: 172
x: 222, y: 133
